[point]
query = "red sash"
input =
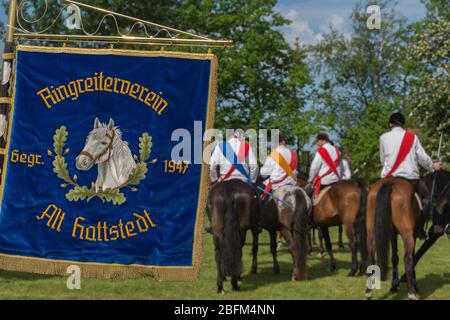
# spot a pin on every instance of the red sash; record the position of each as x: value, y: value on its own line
x: 242, y: 155
x: 405, y: 148
x: 293, y: 164
x: 332, y: 164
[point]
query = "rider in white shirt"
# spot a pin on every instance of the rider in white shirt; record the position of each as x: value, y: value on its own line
x: 390, y: 143
x: 318, y: 165
x: 220, y: 166
x: 272, y: 170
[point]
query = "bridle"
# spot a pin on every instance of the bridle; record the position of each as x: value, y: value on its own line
x: 108, y: 149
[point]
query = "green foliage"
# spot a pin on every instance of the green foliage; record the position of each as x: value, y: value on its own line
x: 77, y: 193
x: 145, y: 146
x: 361, y: 142
x: 429, y: 54
x: 60, y: 168
x: 362, y: 82
x: 114, y: 196
x: 137, y: 174
x: 262, y: 78
x: 60, y: 139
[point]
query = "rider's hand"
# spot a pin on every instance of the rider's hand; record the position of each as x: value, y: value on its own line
x: 436, y: 166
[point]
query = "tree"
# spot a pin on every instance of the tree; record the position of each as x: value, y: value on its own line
x: 429, y: 55
x: 360, y: 74
x: 261, y: 79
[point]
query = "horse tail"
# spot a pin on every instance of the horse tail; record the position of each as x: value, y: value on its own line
x: 231, y: 241
x: 383, y: 227
x: 362, y: 222
x: 300, y: 234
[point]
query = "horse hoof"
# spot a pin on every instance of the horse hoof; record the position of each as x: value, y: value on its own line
x: 236, y: 289
x: 368, y: 295
x: 320, y: 255
x: 333, y: 268
x: 220, y: 291
x: 254, y: 270
x: 403, y: 278
x: 393, y: 290
x: 276, y: 270
x: 341, y: 246
x: 412, y: 296
x: 351, y: 274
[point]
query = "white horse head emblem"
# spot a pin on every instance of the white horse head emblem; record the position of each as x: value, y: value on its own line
x: 105, y: 147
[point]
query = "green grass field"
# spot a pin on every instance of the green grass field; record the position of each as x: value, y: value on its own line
x: 433, y: 277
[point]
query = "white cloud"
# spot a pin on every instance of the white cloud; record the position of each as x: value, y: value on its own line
x: 301, y: 28
x: 298, y: 29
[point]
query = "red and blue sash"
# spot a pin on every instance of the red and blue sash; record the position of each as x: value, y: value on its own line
x: 235, y: 160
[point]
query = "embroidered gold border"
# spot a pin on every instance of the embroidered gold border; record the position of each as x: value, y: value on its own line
x: 113, y: 271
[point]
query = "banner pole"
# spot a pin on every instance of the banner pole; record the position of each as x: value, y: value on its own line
x: 5, y: 98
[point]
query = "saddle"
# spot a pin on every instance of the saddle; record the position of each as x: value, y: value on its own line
x: 323, y: 192
x: 287, y: 192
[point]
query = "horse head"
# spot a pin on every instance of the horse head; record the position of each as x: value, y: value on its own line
x: 442, y: 208
x: 98, y: 147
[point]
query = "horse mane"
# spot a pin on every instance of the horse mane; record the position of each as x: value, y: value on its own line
x: 121, y: 148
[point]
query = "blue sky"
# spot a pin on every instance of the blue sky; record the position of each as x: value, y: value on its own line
x: 310, y: 18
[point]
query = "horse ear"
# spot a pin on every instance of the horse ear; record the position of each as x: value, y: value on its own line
x: 96, y: 123
x: 111, y: 124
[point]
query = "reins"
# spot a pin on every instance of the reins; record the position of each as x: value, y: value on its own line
x: 108, y: 149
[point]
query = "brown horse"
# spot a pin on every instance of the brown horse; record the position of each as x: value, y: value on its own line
x: 291, y: 217
x: 233, y: 208
x: 392, y: 210
x: 344, y: 203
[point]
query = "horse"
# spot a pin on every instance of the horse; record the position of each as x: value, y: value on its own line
x: 392, y: 209
x: 104, y: 146
x: 441, y: 207
x: 233, y: 209
x: 302, y: 182
x: 291, y: 217
x: 344, y: 203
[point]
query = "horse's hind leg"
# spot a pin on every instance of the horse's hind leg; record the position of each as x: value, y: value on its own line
x: 313, y: 230
x: 340, y: 242
x: 320, y: 235
x: 310, y: 245
x: 220, y: 276
x: 326, y: 237
x: 288, y: 236
x: 351, y: 234
x: 273, y: 250
x: 395, y: 280
x: 255, y: 235
x: 235, y: 283
x: 409, y: 242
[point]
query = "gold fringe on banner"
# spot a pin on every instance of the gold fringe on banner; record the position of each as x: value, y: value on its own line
x: 120, y: 271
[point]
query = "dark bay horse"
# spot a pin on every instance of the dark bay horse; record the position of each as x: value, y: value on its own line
x: 391, y: 210
x: 293, y: 223
x: 233, y: 209
x: 441, y: 207
x: 344, y: 203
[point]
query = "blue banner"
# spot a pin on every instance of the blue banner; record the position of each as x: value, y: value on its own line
x: 90, y: 177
